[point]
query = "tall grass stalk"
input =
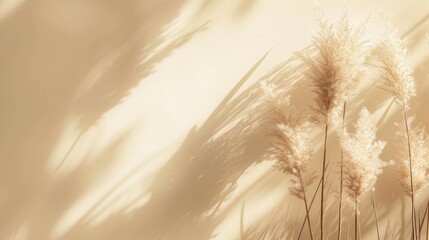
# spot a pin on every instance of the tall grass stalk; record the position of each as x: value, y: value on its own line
x: 323, y: 182
x: 307, y: 209
x: 375, y: 214
x: 397, y: 77
x: 311, y: 204
x: 362, y: 163
x: 334, y: 70
x: 427, y: 223
x: 340, y: 205
x: 356, y: 218
x: 411, y: 176
x: 422, y: 220
x: 291, y: 148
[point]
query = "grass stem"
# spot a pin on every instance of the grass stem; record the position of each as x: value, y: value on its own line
x: 356, y: 219
x: 311, y: 204
x: 423, y: 219
x: 323, y: 182
x: 307, y: 209
x: 427, y: 223
x: 411, y: 175
x: 340, y: 207
x: 376, y: 216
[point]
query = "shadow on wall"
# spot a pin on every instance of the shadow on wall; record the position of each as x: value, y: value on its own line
x: 61, y: 59
x: 188, y: 191
x: 65, y: 58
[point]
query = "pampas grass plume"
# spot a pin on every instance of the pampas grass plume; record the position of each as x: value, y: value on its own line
x: 394, y: 67
x: 362, y: 163
x: 291, y: 149
x: 336, y: 67
x: 419, y: 142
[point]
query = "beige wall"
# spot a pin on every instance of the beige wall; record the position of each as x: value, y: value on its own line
x: 123, y: 120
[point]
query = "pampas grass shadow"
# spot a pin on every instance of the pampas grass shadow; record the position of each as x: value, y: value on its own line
x: 45, y: 90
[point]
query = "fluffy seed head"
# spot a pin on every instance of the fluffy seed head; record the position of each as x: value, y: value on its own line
x: 419, y: 142
x: 394, y: 67
x: 336, y: 67
x: 361, y: 164
x: 291, y: 148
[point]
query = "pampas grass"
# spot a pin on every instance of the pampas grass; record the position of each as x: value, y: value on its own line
x: 419, y: 143
x: 335, y: 71
x: 336, y: 68
x: 396, y: 75
x: 291, y: 149
x: 362, y: 163
x: 394, y: 67
x: 413, y: 163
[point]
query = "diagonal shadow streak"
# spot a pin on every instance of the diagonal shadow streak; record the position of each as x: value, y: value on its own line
x: 187, y: 192
x: 45, y: 98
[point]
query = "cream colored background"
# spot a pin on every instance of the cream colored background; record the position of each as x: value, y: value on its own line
x: 115, y: 114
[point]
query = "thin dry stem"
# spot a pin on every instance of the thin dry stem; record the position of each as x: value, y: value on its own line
x: 375, y: 214
x: 340, y: 205
x: 356, y: 218
x: 334, y: 71
x: 323, y: 182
